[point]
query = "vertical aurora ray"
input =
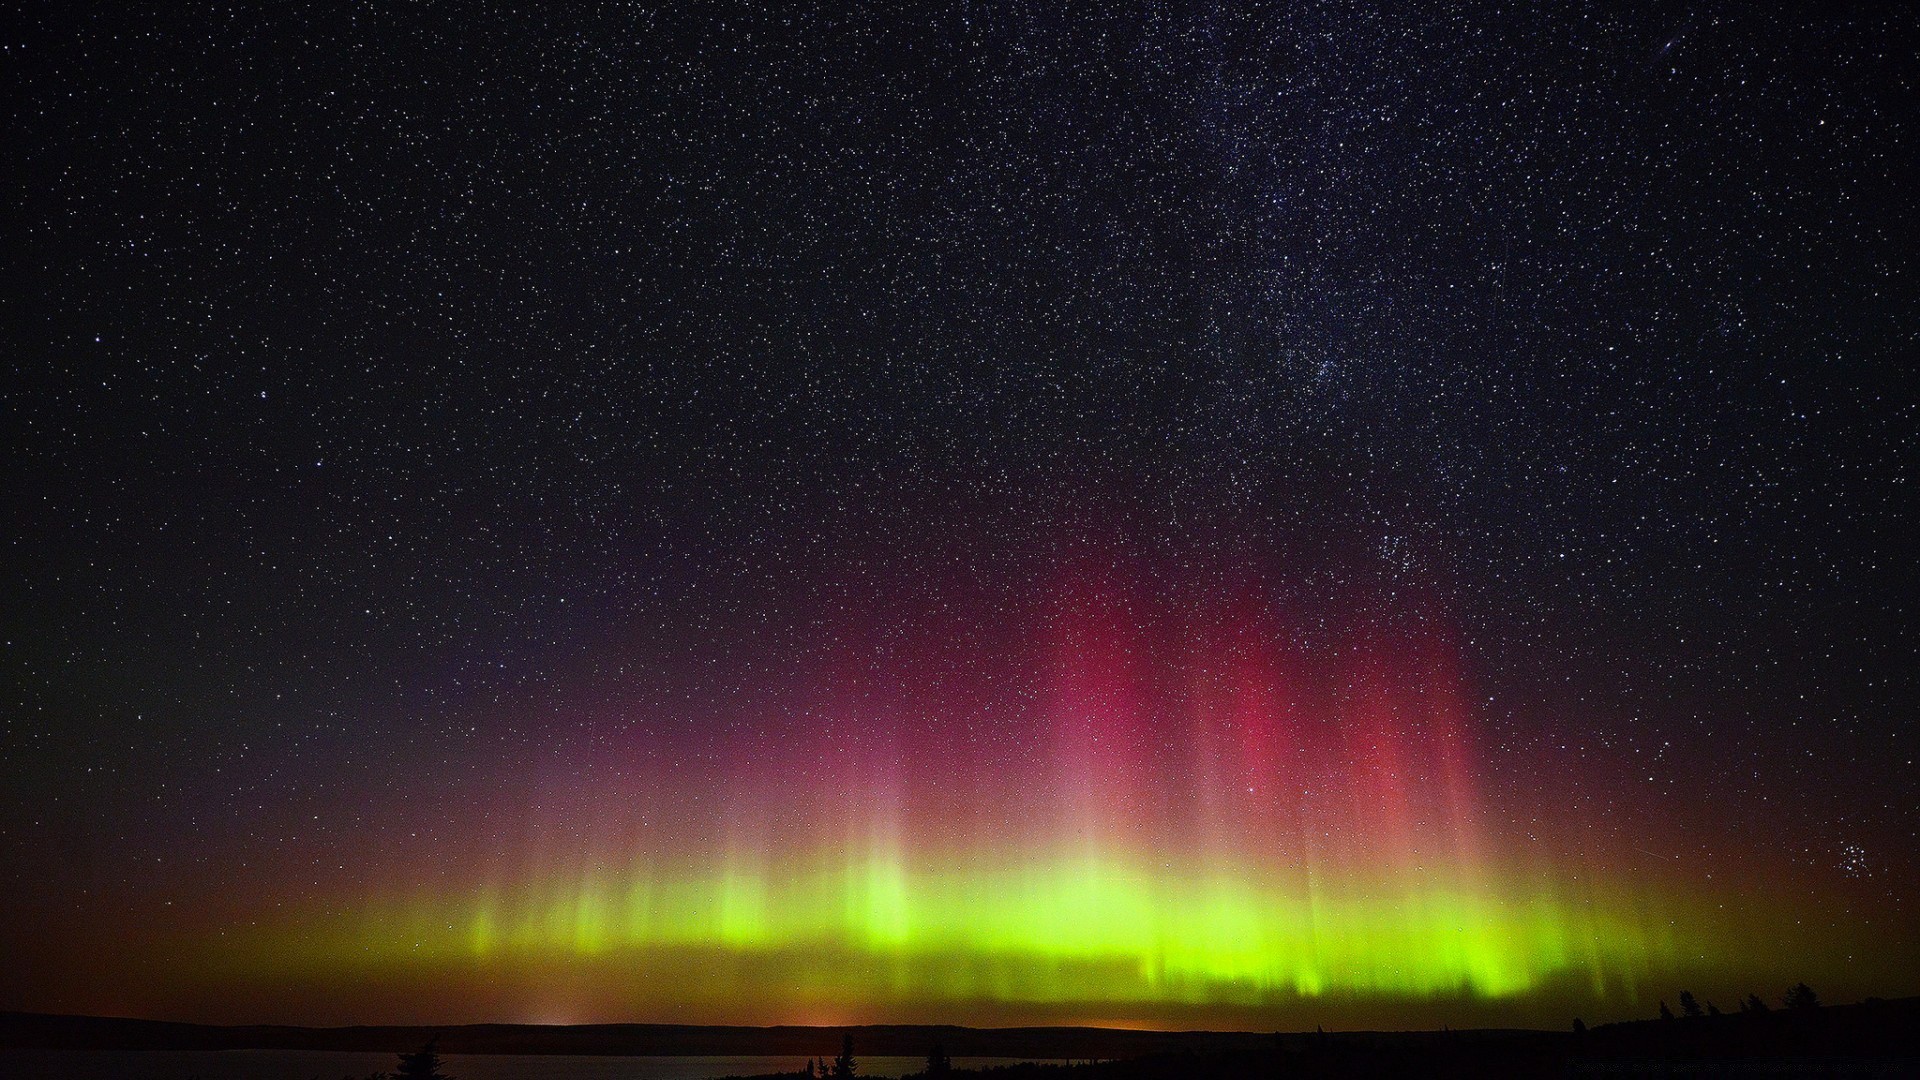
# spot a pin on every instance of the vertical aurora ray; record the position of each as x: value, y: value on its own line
x: 1176, y: 809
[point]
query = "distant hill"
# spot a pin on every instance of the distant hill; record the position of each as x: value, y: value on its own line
x: 45, y: 1031
x: 1872, y: 1039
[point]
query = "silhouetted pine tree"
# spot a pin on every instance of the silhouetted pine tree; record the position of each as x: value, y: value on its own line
x: 1665, y: 1013
x: 1689, y: 1004
x: 844, y: 1066
x: 1801, y: 997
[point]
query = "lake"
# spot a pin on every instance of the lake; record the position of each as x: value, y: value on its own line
x: 331, y: 1065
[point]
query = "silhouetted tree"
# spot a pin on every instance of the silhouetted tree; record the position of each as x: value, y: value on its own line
x: 844, y: 1066
x: 1712, y: 1009
x: 423, y: 1064
x: 938, y: 1063
x: 1689, y: 1004
x: 1801, y: 997
x: 1665, y: 1013
x: 1754, y: 1005
x: 1579, y: 1027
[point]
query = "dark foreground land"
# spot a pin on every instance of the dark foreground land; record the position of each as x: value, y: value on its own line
x: 1875, y: 1039
x: 1879, y: 1039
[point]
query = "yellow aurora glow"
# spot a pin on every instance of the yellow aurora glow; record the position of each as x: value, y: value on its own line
x: 1102, y: 931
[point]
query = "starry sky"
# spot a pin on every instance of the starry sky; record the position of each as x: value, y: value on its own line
x: 1175, y: 515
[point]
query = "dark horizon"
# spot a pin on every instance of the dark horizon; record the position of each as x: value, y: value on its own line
x: 639, y: 1038
x: 1873, y: 1038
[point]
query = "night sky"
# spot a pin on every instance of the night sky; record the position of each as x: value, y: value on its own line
x: 1173, y: 515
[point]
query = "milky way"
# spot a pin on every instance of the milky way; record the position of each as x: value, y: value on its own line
x: 1173, y: 516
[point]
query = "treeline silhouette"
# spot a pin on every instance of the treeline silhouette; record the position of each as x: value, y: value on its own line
x: 1874, y: 1038
x: 1799, y: 997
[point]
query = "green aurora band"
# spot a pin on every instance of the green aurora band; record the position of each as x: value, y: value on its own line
x: 1219, y: 833
x: 1101, y: 931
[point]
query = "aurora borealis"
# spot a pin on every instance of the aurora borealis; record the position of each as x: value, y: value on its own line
x: 1171, y: 518
x: 1210, y: 825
